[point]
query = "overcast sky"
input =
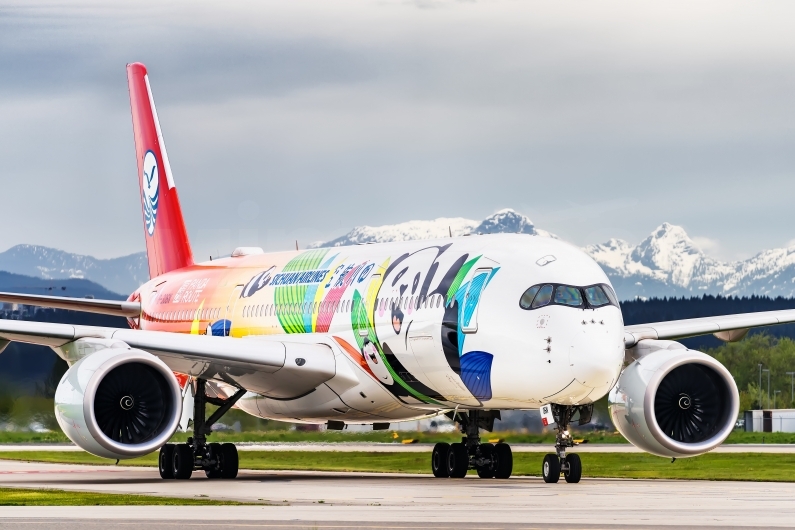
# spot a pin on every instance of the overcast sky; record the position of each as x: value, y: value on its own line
x: 298, y: 119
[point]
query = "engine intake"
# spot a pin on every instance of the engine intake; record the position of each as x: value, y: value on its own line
x: 119, y: 403
x: 674, y: 402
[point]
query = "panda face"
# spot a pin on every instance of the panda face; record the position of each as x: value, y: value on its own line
x: 374, y: 361
x: 406, y: 286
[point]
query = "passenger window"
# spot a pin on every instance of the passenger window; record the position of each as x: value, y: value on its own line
x: 543, y: 297
x: 527, y: 298
x: 568, y: 295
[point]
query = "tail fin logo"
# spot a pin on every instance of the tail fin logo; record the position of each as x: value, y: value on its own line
x: 150, y: 183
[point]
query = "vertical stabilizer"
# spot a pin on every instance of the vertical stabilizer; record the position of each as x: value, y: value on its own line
x: 167, y: 245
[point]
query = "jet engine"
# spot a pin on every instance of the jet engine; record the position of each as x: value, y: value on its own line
x: 118, y: 403
x: 672, y: 401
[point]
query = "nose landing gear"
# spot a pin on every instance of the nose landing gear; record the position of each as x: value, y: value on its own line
x: 179, y: 461
x: 560, y: 462
x: 489, y: 460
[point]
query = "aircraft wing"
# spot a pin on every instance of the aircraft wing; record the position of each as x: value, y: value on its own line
x: 106, y: 307
x: 267, y: 365
x: 725, y: 327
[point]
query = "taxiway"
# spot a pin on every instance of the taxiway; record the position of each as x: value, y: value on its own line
x: 368, y: 500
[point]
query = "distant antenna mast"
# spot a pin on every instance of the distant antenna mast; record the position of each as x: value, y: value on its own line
x: 449, y: 230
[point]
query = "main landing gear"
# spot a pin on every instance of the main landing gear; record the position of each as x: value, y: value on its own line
x: 560, y: 462
x: 179, y: 461
x: 490, y: 461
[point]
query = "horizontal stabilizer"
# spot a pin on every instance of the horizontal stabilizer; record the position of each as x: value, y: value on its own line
x: 117, y: 308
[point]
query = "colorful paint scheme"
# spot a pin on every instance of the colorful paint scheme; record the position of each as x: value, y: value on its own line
x: 373, y: 334
x: 428, y: 321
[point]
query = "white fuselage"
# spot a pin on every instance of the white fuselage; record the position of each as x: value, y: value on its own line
x: 418, y: 327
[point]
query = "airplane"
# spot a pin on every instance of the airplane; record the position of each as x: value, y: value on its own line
x: 373, y: 334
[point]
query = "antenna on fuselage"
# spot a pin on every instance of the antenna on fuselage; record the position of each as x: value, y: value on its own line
x: 449, y: 230
x: 296, y: 244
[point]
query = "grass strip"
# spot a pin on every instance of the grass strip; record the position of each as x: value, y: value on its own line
x: 736, y: 437
x: 48, y: 497
x: 766, y: 467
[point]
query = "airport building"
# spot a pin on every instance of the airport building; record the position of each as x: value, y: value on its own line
x: 777, y: 420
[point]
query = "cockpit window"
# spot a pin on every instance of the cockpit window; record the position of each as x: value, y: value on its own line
x: 527, y: 297
x: 568, y: 295
x: 596, y: 296
x: 543, y: 297
x: 611, y: 295
x: 588, y: 297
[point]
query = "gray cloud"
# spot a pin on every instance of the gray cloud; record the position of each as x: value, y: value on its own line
x: 596, y: 120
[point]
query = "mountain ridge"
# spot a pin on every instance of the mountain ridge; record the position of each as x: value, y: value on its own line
x: 664, y: 264
x: 120, y: 275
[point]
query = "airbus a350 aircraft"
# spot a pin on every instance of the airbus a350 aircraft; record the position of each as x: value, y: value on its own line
x: 373, y: 334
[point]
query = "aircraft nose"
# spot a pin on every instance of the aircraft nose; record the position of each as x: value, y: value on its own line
x: 596, y: 352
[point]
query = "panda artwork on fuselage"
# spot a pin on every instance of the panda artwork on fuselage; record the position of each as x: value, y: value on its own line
x: 423, y: 297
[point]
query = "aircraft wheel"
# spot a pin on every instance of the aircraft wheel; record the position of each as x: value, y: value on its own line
x: 182, y: 461
x: 214, y: 450
x: 503, y: 461
x: 439, y: 460
x: 551, y: 469
x: 574, y: 471
x: 164, y: 463
x: 229, y: 461
x: 487, y: 452
x: 457, y: 460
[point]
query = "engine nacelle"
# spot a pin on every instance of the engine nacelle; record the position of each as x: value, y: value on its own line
x: 118, y: 403
x: 674, y: 402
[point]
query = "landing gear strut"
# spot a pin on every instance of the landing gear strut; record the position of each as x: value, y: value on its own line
x: 179, y: 461
x: 490, y: 461
x: 560, y: 462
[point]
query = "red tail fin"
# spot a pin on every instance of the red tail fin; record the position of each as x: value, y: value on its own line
x: 167, y: 245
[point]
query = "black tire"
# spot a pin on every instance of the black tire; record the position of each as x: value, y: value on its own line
x: 487, y: 452
x: 503, y: 461
x: 164, y: 463
x: 457, y: 461
x: 439, y: 460
x: 229, y: 461
x: 574, y: 472
x: 182, y: 461
x: 214, y: 452
x: 550, y: 469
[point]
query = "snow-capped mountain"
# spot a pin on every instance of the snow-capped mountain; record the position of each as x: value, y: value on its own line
x: 121, y: 275
x: 666, y: 263
x: 506, y: 220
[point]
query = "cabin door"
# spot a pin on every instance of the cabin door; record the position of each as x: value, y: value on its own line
x: 231, y: 305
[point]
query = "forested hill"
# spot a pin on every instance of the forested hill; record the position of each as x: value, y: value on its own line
x: 662, y: 309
